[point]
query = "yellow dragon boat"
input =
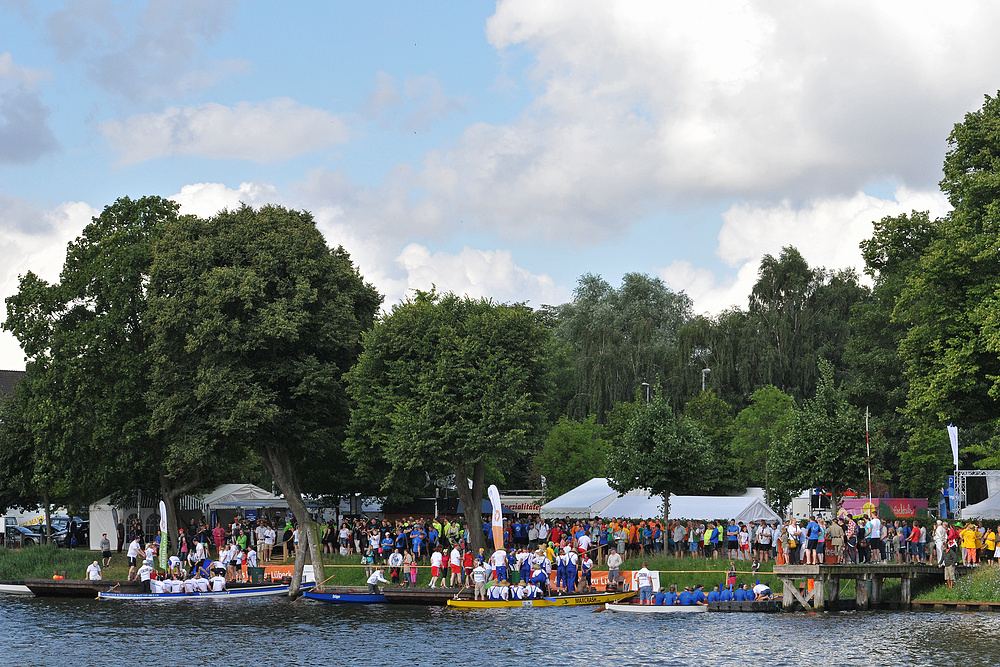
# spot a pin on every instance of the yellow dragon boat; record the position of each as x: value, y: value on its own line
x: 558, y: 601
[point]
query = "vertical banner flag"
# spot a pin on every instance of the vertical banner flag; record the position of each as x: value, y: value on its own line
x: 497, y: 522
x: 163, y: 536
x: 953, y: 436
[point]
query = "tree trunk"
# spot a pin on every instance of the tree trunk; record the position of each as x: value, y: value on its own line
x: 170, y: 494
x: 280, y: 467
x: 472, y: 502
x: 47, y: 528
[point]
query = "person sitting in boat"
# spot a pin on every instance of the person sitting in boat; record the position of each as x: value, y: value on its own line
x: 761, y: 591
x: 686, y: 598
x: 374, y: 580
x: 714, y: 596
x: 156, y: 587
x: 218, y: 583
x: 190, y: 585
x: 499, y: 591
x: 177, y: 582
x: 539, y: 579
x: 670, y: 598
x: 201, y: 582
x: 727, y: 595
x: 517, y: 592
x: 660, y: 597
x: 699, y: 595
x: 532, y: 592
x: 742, y: 594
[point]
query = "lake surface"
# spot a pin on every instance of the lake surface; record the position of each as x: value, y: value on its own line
x: 275, y: 631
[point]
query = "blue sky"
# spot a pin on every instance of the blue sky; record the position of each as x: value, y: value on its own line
x: 497, y: 150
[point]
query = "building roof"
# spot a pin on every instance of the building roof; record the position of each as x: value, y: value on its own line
x: 9, y: 380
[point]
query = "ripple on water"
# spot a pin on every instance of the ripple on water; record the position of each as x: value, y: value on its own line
x: 243, y: 631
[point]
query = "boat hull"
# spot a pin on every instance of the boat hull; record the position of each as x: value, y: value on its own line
x: 248, y: 592
x: 345, y: 598
x: 561, y: 601
x: 656, y: 608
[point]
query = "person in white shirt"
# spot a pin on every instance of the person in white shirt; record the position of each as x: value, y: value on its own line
x: 531, y: 592
x: 644, y: 582
x: 156, y: 586
x: 437, y: 560
x: 479, y: 576
x: 201, y: 583
x: 190, y: 586
x: 583, y: 544
x: 251, y: 558
x: 134, y: 555
x: 455, y: 562
x: 144, y: 573
x: 543, y: 531
x: 94, y: 571
x: 218, y: 583
x: 269, y: 537
x: 500, y: 591
x: 614, y: 563
x: 375, y: 580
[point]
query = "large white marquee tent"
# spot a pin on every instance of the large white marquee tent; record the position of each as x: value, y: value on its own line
x: 597, y: 498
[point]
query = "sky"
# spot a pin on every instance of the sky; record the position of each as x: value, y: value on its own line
x: 499, y: 150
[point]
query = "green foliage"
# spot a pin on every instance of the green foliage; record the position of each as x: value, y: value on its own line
x: 926, y: 463
x: 255, y: 320
x: 714, y: 418
x: 443, y: 384
x: 85, y: 338
x: 620, y: 338
x: 574, y: 451
x: 825, y: 445
x: 758, y: 431
x: 661, y: 452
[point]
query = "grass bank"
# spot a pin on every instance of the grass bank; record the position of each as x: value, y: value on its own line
x: 981, y: 585
x: 40, y: 562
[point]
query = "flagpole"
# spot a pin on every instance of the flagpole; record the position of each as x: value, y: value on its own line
x: 869, y: 448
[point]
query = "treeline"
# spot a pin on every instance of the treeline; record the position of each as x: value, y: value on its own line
x: 176, y: 352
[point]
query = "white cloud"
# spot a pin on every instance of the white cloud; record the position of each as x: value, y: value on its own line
x: 144, y: 51
x: 24, y: 132
x: 478, y: 273
x: 415, y: 105
x: 827, y: 231
x: 646, y: 105
x: 33, y: 239
x: 278, y: 129
x: 206, y: 199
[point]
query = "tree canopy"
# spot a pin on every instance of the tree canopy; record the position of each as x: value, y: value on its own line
x: 444, y: 386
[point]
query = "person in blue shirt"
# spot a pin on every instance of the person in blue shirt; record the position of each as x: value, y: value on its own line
x: 812, y: 532
x: 699, y: 595
x: 740, y: 595
x: 659, y: 597
x: 417, y: 540
x: 670, y: 598
x: 714, y: 595
x: 727, y: 595
x: 401, y: 539
x: 686, y: 598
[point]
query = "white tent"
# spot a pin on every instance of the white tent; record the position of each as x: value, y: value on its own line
x: 585, y: 501
x: 987, y: 509
x: 224, y: 497
x: 741, y: 508
x: 597, y: 498
x: 228, y: 496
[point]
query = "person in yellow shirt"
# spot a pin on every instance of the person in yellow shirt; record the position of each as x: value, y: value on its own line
x: 968, y: 535
x: 990, y: 544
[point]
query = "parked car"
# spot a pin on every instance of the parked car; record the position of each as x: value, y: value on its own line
x: 22, y: 536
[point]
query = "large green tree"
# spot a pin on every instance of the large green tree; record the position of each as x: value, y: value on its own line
x: 661, y: 452
x: 757, y: 432
x: 254, y: 323
x: 824, y: 447
x: 573, y: 451
x: 87, y: 345
x: 448, y: 386
x: 620, y: 338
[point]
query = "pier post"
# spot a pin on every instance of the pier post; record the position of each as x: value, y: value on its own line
x: 861, y: 586
x: 819, y: 594
x: 876, y: 597
x: 904, y: 591
x: 834, y: 593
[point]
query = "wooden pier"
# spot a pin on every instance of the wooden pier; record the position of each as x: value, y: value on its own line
x: 868, y: 583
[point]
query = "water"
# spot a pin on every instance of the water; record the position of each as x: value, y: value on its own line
x: 264, y: 631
